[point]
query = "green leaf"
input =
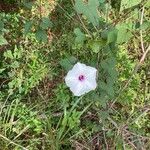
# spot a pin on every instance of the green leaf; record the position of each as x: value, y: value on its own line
x: 41, y: 36
x: 108, y: 88
x: 110, y: 35
x: 97, y: 45
x: 124, y: 32
x: 1, y: 25
x: 109, y: 65
x: 45, y: 23
x: 8, y: 54
x: 89, y: 9
x: 125, y: 4
x: 27, y: 27
x: 68, y: 63
x: 3, y: 41
x: 80, y: 37
x: 145, y: 25
x: 15, y: 64
x: 28, y: 5
x: 1, y: 70
x: 103, y: 85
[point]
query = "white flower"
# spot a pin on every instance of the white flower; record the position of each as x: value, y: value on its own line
x: 81, y: 79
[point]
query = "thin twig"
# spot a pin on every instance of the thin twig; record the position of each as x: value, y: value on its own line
x: 113, y: 122
x: 130, y: 143
x: 141, y: 32
x: 22, y: 131
x: 79, y: 145
x: 144, y: 55
x: 107, y: 148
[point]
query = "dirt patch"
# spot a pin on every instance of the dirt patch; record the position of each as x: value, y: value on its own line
x: 6, y: 7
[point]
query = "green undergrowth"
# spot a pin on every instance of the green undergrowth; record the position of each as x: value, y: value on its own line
x: 37, y: 110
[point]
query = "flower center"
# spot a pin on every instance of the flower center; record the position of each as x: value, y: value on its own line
x: 81, y: 78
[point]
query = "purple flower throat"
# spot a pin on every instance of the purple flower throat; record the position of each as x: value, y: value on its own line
x: 81, y: 78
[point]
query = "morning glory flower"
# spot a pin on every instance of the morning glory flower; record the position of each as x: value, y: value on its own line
x: 81, y: 79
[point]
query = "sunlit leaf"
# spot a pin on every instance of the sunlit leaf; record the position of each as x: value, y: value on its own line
x: 8, y: 54
x: 3, y: 41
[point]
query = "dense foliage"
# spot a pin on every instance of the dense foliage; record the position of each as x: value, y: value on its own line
x: 40, y: 41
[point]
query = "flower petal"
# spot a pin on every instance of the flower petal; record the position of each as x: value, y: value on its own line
x: 70, y: 81
x: 83, y: 88
x: 91, y: 83
x: 77, y: 89
x: 90, y: 72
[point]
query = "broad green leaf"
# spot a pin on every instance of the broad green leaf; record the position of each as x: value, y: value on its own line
x: 41, y: 35
x: 125, y: 4
x: 80, y: 37
x: 45, y: 23
x: 28, y: 5
x: 68, y: 63
x: 103, y: 85
x: 108, y: 88
x: 88, y: 9
x: 124, y: 32
x: 97, y: 45
x: 3, y: 41
x: 27, y: 27
x: 112, y: 36
x: 108, y: 64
